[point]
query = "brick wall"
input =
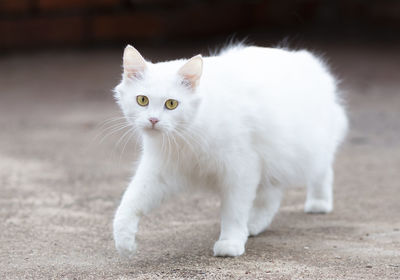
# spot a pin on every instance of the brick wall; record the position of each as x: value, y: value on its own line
x: 44, y: 23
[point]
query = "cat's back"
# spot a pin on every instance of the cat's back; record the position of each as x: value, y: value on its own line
x: 266, y: 89
x: 286, y: 68
x: 266, y: 71
x: 247, y: 78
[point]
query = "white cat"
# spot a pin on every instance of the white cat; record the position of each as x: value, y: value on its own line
x: 247, y: 122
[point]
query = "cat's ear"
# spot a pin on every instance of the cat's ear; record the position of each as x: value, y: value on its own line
x: 192, y: 70
x: 134, y: 63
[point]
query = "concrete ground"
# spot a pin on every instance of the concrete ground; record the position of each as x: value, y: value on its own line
x: 60, y: 184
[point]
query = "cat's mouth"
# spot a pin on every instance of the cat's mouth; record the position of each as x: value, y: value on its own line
x: 152, y: 129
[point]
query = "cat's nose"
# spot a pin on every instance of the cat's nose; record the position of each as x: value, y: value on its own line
x: 154, y: 120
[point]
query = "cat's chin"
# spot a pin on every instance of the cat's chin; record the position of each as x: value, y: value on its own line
x: 151, y: 131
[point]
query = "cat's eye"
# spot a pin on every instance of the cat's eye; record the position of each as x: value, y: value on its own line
x: 142, y: 100
x: 171, y: 104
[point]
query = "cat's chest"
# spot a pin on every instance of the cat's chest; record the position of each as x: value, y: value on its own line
x: 189, y: 169
x: 188, y: 163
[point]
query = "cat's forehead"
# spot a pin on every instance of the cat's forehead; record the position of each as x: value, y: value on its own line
x: 161, y: 78
x: 163, y: 70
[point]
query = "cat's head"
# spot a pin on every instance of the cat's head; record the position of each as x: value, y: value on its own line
x: 161, y: 97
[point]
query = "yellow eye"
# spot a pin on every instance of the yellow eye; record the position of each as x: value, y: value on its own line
x: 171, y: 104
x: 142, y: 100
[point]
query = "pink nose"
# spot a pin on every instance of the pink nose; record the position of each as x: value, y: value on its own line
x: 154, y: 120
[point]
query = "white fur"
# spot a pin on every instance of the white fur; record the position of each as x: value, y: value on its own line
x: 259, y: 120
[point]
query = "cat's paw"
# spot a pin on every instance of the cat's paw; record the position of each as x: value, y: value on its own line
x: 126, y: 246
x: 318, y: 206
x: 228, y: 248
x: 124, y: 237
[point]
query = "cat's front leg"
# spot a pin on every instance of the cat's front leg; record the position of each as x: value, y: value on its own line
x: 237, y: 196
x: 143, y: 194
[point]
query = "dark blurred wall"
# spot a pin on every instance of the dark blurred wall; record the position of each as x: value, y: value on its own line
x: 52, y: 23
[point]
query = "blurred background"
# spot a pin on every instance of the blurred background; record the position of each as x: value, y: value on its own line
x: 65, y: 158
x: 27, y: 24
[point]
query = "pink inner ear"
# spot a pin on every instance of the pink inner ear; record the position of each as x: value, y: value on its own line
x: 189, y: 80
x: 134, y: 71
x: 134, y: 63
x: 134, y: 74
x: 185, y: 82
x: 191, y: 71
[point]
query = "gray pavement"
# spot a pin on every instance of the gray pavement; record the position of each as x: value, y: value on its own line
x: 60, y: 184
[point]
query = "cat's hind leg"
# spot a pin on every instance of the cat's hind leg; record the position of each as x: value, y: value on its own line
x: 320, y: 193
x: 265, y: 206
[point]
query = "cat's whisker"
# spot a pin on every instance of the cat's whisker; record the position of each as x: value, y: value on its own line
x: 102, y: 136
x: 113, y: 131
x: 112, y: 126
x: 110, y: 120
x: 115, y: 146
x: 102, y: 130
x: 107, y: 121
x: 187, y: 142
x: 162, y: 145
x: 138, y: 139
x: 170, y: 146
x: 181, y: 135
x: 177, y: 146
x: 167, y: 150
x: 132, y: 133
x: 192, y: 136
x: 122, y: 137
